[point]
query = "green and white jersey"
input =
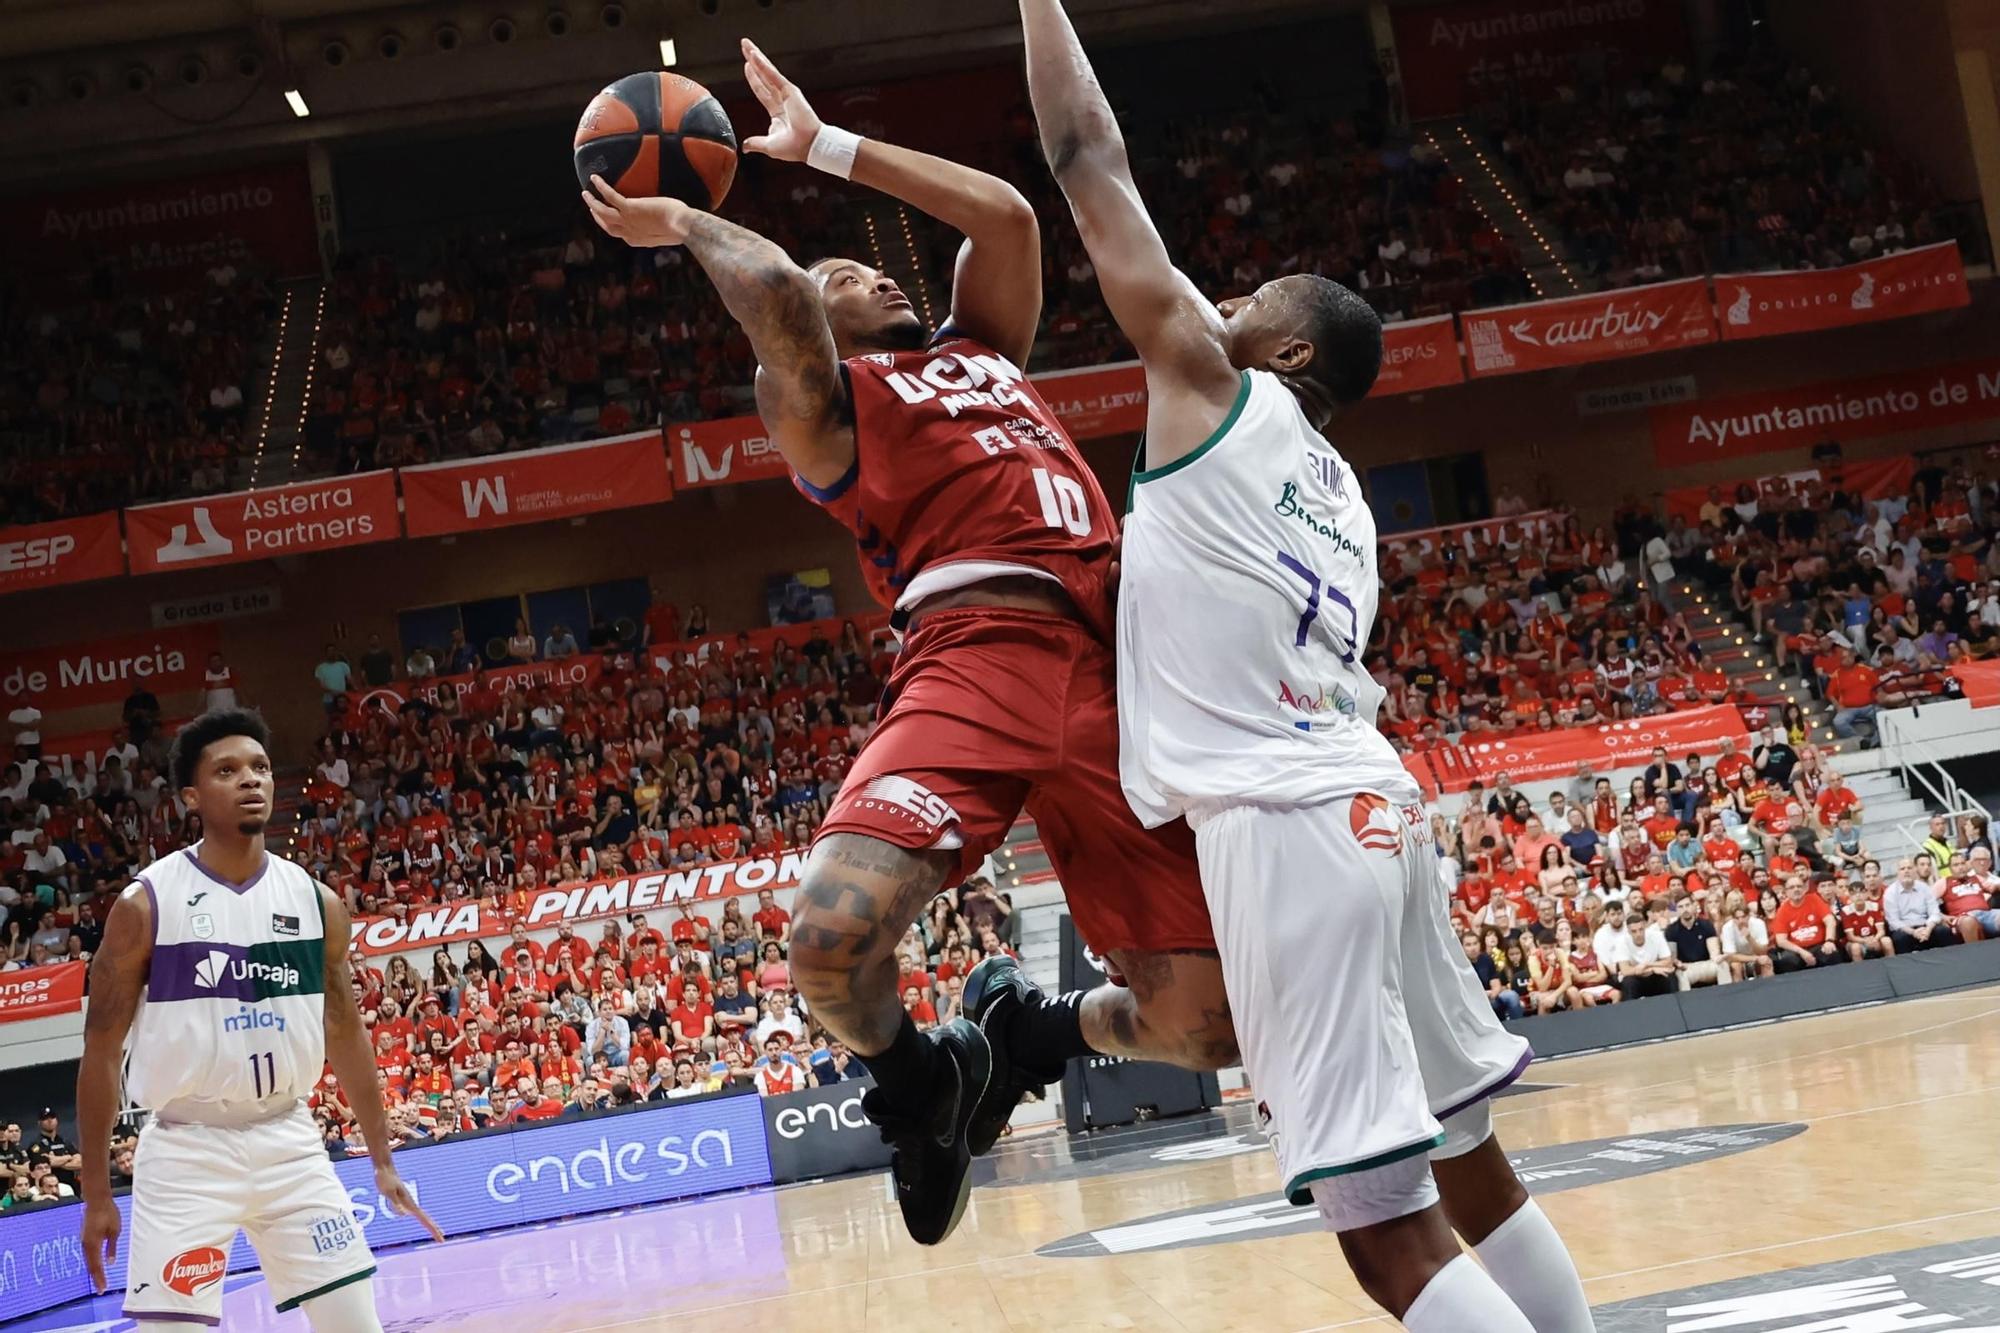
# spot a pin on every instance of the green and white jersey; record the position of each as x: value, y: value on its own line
x: 1249, y: 589
x: 233, y: 1021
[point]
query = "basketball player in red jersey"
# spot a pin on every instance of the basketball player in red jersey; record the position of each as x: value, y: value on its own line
x: 976, y: 519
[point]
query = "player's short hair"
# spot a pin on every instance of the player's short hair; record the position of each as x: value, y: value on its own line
x: 1346, y: 335
x: 185, y: 756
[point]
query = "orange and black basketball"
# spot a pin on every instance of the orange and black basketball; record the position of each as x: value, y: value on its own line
x: 658, y: 134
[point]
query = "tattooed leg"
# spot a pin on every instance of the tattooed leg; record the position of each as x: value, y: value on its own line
x: 1172, y: 1008
x: 858, y: 897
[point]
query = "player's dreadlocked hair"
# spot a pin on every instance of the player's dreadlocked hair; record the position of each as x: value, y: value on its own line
x: 1346, y: 335
x: 206, y: 730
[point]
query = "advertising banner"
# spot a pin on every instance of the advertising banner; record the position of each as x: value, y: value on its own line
x: 1455, y: 55
x: 232, y: 604
x: 1548, y: 335
x: 1980, y: 681
x: 70, y: 550
x: 1417, y: 355
x: 482, y: 1182
x: 1095, y: 403
x: 536, y: 485
x: 1807, y: 414
x: 820, y: 1132
x: 1914, y: 282
x: 259, y: 525
x: 165, y: 232
x: 722, y: 453
x: 1870, y: 478
x: 1111, y: 1090
x: 585, y: 900
x: 71, y: 675
x: 1606, y: 747
x: 41, y: 991
x: 563, y: 673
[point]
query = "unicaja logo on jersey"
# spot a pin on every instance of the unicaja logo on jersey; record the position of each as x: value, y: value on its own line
x: 211, y: 971
x: 1374, y: 823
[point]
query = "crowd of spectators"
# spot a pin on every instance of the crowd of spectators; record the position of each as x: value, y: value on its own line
x: 1701, y: 874
x: 126, y: 397
x: 1755, y: 164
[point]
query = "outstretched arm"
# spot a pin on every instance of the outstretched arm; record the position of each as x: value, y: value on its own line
x: 117, y: 976
x: 800, y: 392
x: 996, y: 291
x: 1177, y: 332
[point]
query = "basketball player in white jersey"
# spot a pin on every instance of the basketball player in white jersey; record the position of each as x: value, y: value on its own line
x: 1249, y: 588
x: 213, y: 977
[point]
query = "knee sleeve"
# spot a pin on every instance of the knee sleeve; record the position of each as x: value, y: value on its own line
x: 1465, y: 1129
x: 1381, y: 1194
x: 346, y: 1309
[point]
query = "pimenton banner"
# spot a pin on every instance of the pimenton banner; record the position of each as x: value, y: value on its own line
x: 1549, y: 335
x: 70, y: 550
x: 1607, y: 747
x: 260, y: 525
x: 1808, y: 414
x: 587, y: 900
x: 152, y: 233
x: 535, y: 486
x: 1417, y: 355
x: 71, y: 675
x: 1915, y: 282
x: 1454, y: 55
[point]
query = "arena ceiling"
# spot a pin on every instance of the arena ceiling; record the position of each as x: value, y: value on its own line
x: 142, y: 80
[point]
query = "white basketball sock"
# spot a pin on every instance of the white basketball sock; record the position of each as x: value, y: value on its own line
x: 1461, y: 1297
x: 1530, y: 1262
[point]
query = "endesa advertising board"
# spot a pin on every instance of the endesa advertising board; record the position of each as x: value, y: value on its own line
x: 502, y: 1178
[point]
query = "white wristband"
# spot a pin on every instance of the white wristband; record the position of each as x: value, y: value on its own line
x: 833, y: 151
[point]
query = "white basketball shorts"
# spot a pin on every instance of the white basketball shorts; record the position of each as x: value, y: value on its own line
x: 1361, y: 1024
x: 194, y: 1185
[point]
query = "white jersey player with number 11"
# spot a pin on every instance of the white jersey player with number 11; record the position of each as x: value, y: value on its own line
x: 213, y: 983
x: 1248, y: 591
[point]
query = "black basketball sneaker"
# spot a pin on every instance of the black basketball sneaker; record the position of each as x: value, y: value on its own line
x: 932, y: 1162
x: 996, y: 994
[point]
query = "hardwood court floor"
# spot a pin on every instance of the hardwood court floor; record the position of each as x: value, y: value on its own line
x: 1842, y: 1098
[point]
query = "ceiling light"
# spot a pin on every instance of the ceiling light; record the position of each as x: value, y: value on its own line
x: 297, y: 101
x: 669, y: 57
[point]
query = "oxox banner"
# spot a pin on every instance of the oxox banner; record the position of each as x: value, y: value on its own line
x: 1417, y: 355
x: 260, y: 525
x: 1610, y: 746
x: 70, y: 550
x: 160, y: 232
x: 1808, y: 414
x: 41, y: 992
x: 1870, y: 478
x: 1454, y: 55
x: 536, y: 485
x: 586, y: 900
x: 1548, y: 335
x: 1915, y: 282
x: 74, y: 675
x: 563, y: 673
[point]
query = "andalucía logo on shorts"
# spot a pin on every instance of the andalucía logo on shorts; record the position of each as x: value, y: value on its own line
x: 1374, y: 823
x: 191, y: 1270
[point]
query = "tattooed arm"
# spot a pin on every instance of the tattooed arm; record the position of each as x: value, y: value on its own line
x: 800, y: 392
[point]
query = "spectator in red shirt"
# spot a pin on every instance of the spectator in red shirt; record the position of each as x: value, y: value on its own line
x: 1851, y: 687
x: 537, y: 1101
x: 693, y: 1021
x: 1803, y: 931
x: 1835, y: 799
x: 772, y: 920
x: 1861, y: 924
x: 919, y: 1009
x: 1967, y: 896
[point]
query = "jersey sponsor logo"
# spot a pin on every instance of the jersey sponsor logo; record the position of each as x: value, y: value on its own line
x: 334, y: 1232
x: 1375, y: 824
x: 201, y: 925
x: 1331, y: 475
x: 249, y: 1018
x: 886, y: 360
x: 192, y: 1271
x: 284, y: 925
x: 956, y: 382
x: 1288, y: 506
x: 211, y: 971
x: 1325, y: 699
x: 912, y: 800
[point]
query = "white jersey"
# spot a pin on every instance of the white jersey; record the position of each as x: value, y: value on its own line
x: 233, y: 1021
x: 1248, y: 593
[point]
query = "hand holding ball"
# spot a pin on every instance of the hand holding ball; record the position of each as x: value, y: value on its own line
x: 657, y: 135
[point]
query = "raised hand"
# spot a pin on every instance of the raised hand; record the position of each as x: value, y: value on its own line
x: 794, y: 124
x: 644, y: 222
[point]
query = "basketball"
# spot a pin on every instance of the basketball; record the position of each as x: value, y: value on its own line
x: 658, y: 134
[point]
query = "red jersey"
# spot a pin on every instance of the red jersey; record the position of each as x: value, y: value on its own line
x: 1861, y: 921
x: 958, y: 460
x: 1805, y: 923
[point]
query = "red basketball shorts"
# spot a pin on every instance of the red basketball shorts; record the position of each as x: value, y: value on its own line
x: 991, y: 711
